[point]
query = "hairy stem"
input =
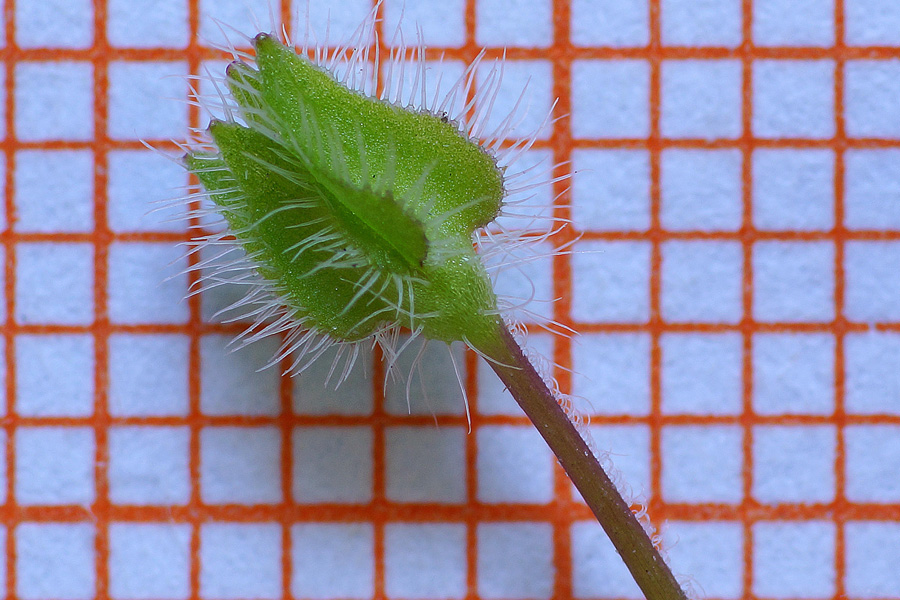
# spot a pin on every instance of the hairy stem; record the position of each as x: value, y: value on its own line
x: 647, y: 567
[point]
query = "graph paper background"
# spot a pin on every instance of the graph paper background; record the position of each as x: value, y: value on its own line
x: 738, y: 199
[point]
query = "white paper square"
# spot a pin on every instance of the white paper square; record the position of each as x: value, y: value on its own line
x: 597, y: 569
x: 871, y: 91
x: 213, y: 91
x: 627, y: 448
x: 433, y: 388
x: 530, y: 80
x: 213, y: 221
x: 54, y: 190
x: 525, y: 290
x: 240, y: 465
x: 872, y: 188
x: 691, y: 452
x: 3, y: 132
x: 617, y: 23
x: 3, y: 534
x: 711, y: 551
x: 216, y: 300
x: 333, y: 560
x: 54, y: 283
x: 140, y: 184
x: 240, y: 560
x: 872, y: 22
x: 332, y: 465
x: 246, y: 17
x: 793, y: 189
x: 702, y: 373
x: 363, y: 79
x: 425, y: 464
x: 54, y: 465
x: 793, y: 98
x: 149, y: 560
x: 611, y: 282
x: 144, y: 283
x: 425, y: 560
x: 493, y: 397
x: 406, y: 83
x: 610, y: 98
x: 128, y: 25
x: 234, y: 382
x: 701, y: 99
x: 514, y: 465
x: 611, y: 189
x: 339, y: 18
x: 354, y: 396
x: 701, y: 190
x: 515, y: 560
x: 701, y: 22
x: 55, y: 560
x: 701, y: 281
x: 55, y: 24
x: 793, y: 281
x: 793, y: 373
x: 794, y: 464
x: 148, y: 374
x: 2, y: 281
x: 793, y: 559
x: 530, y: 194
x: 3, y: 375
x: 612, y: 371
x: 494, y: 27
x: 793, y: 22
x: 4, y: 480
x: 872, y: 373
x: 54, y: 101
x: 145, y: 100
x: 872, y: 462
x: 149, y: 465
x: 54, y: 375
x: 870, y: 548
x: 443, y: 24
x: 871, y: 286
x: 3, y: 190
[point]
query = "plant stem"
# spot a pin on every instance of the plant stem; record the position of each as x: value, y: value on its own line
x: 647, y: 567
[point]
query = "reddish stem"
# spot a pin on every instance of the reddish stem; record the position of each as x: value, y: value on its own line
x: 647, y: 567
